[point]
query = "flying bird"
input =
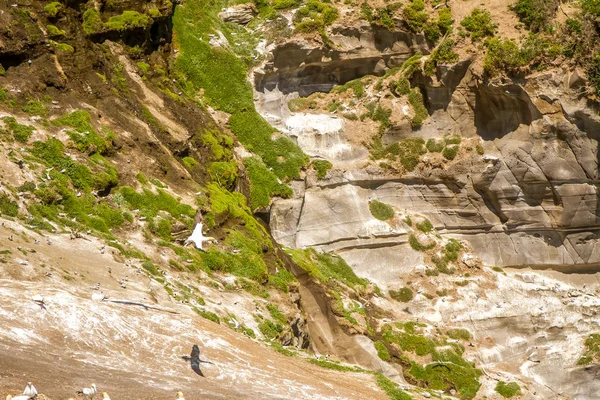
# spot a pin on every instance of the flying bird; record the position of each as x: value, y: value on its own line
x: 89, y: 393
x: 30, y: 389
x: 194, y: 359
x: 198, y: 237
x: 180, y: 396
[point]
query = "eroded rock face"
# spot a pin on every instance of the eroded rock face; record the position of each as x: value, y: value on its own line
x: 240, y: 14
x: 532, y: 198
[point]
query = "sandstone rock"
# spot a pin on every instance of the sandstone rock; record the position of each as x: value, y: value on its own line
x: 240, y: 13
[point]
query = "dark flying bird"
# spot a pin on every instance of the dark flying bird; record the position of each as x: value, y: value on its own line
x: 194, y: 359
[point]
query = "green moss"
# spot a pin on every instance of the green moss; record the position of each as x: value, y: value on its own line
x: 282, y: 280
x: 128, y: 20
x: 21, y: 133
x: 592, y: 353
x: 92, y: 23
x: 400, y: 87
x: 270, y: 329
x: 7, y: 206
x: 445, y: 20
x: 404, y: 294
x: 54, y: 31
x: 508, y: 390
x: 382, y: 351
x: 449, y: 152
x: 326, y: 267
x: 301, y: 104
x: 62, y: 47
x: 150, y: 203
x: 357, y: 86
x: 434, y: 145
x: 479, y: 24
x: 459, y: 334
x: 35, y: 107
x: 321, y: 166
x: 264, y: 184
x: 425, y: 226
x: 53, y: 8
x: 276, y: 314
x: 84, y: 136
x: 189, y: 162
x: 335, y: 366
x: 390, y: 388
x: 380, y: 210
x: 209, y: 315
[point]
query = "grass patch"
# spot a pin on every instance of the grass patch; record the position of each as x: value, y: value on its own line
x: 592, y: 353
x: 390, y: 388
x: 326, y: 267
x: 508, y: 390
x: 35, y: 107
x: 21, y: 133
x: 459, y: 334
x: 128, y: 20
x: 270, y: 329
x: 479, y: 24
x: 8, y: 206
x: 416, y: 245
x: 264, y: 184
x: 209, y: 315
x: 357, y: 86
x: 382, y: 351
x: 380, y: 210
x: 335, y: 366
x: 321, y: 166
x: 425, y: 226
x: 403, y: 295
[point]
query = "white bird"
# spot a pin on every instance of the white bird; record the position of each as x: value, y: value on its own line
x: 180, y: 396
x: 30, y: 389
x: 89, y: 393
x: 38, y: 298
x: 105, y: 396
x: 98, y: 296
x: 198, y: 237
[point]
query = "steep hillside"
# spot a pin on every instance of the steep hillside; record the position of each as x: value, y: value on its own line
x: 398, y: 200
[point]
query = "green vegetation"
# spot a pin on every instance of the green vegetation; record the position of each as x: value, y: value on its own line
x: 443, y: 54
x: 7, y: 206
x: 416, y: 245
x: 449, y: 152
x: 479, y: 24
x: 62, y: 47
x: 209, y: 315
x: 357, y: 86
x: 594, y: 72
x: 508, y: 390
x: 415, y: 15
x: 84, y: 136
x: 404, y: 294
x: 127, y: 20
x: 335, y: 366
x: 54, y: 31
x: 53, y: 8
x: 21, y: 133
x: 447, y: 369
x: 270, y: 329
x: 92, y: 23
x: 592, y: 353
x: 535, y: 14
x: 459, y: 334
x: 401, y: 87
x: 381, y: 16
x: 382, y: 351
x: 381, y: 211
x: 408, y: 151
x: 35, y: 107
x: 315, y: 16
x: 390, y: 388
x: 325, y: 267
x: 497, y: 269
x: 435, y: 145
x: 415, y: 98
x: 321, y: 166
x: 276, y: 314
x: 301, y: 104
x: 264, y: 184
x: 425, y: 225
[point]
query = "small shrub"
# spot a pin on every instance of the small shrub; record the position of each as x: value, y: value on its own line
x: 425, y: 226
x: 416, y: 245
x: 7, y: 206
x: 401, y: 87
x: 434, y: 145
x: 592, y: 344
x: 449, y: 152
x: 415, y: 15
x: 459, y: 334
x: 357, y: 86
x: 479, y: 24
x: 404, y: 294
x: 380, y: 210
x: 479, y: 150
x: 144, y: 67
x: 535, y: 14
x: 269, y: 329
x: 209, y: 315
x: 415, y: 98
x: 321, y: 166
x: 445, y: 20
x: 508, y: 390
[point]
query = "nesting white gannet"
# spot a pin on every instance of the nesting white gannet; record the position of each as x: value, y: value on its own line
x: 180, y: 396
x: 18, y: 397
x: 89, y: 393
x: 198, y: 237
x: 98, y: 296
x: 105, y: 396
x: 30, y: 389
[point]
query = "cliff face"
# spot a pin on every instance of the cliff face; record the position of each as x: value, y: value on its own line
x: 529, y: 199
